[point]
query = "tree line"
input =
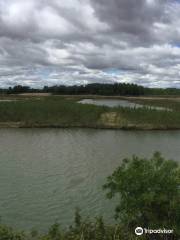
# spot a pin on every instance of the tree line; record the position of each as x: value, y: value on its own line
x: 122, y: 89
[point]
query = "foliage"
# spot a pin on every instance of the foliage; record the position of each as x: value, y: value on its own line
x: 122, y: 89
x: 148, y: 191
x: 7, y: 233
x: 146, y: 118
x: 86, y: 230
x: 49, y: 111
x: 59, y: 111
x: 95, y: 88
x: 98, y: 89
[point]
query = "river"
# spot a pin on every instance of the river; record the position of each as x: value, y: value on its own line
x: 46, y: 173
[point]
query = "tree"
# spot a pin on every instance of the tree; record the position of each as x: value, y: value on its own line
x: 148, y: 191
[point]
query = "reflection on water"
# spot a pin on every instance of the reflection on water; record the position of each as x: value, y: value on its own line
x: 118, y: 103
x: 46, y: 173
x: 8, y: 100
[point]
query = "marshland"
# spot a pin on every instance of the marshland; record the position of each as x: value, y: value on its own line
x: 68, y: 111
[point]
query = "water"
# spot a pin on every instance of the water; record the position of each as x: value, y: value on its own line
x: 46, y: 173
x: 118, y: 103
x: 8, y: 100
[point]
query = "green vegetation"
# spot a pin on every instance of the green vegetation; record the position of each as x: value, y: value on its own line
x: 49, y: 112
x: 81, y: 230
x: 145, y: 118
x: 149, y: 196
x: 170, y: 103
x: 116, y: 89
x: 150, y: 119
x: 57, y: 111
x: 96, y: 88
x: 149, y: 193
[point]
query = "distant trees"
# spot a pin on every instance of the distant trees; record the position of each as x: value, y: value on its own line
x: 148, y: 192
x: 97, y: 89
x: 89, y: 89
x: 116, y: 89
x: 18, y: 89
x: 162, y: 91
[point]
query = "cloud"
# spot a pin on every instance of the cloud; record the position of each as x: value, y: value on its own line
x: 46, y: 42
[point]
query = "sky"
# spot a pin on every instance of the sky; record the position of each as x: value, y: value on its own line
x: 53, y: 42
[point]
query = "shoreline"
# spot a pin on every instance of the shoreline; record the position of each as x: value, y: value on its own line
x: 98, y: 127
x: 60, y: 112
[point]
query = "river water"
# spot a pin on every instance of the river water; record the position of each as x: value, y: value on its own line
x: 46, y: 173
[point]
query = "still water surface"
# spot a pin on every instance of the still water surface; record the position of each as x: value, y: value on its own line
x: 46, y: 173
x: 118, y: 103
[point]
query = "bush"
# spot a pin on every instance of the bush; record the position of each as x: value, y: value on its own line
x: 149, y: 193
x: 7, y: 233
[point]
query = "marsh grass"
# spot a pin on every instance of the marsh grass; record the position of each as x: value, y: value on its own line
x: 54, y: 111
x: 151, y: 117
x: 49, y: 110
x: 86, y: 230
x: 173, y: 104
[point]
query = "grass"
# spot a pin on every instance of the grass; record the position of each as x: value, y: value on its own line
x: 49, y: 111
x: 85, y: 230
x: 151, y: 118
x: 173, y: 104
x: 56, y: 111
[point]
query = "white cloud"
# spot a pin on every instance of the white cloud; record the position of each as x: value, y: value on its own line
x: 77, y: 41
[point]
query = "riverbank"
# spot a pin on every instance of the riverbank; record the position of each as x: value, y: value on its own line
x: 65, y: 112
x: 89, y: 126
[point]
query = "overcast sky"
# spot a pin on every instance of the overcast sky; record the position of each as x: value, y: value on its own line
x: 48, y: 42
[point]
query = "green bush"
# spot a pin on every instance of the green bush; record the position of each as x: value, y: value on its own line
x: 148, y: 192
x: 7, y: 233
